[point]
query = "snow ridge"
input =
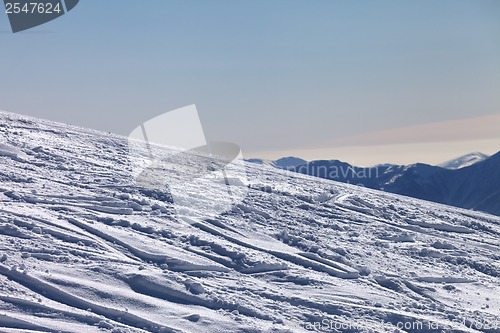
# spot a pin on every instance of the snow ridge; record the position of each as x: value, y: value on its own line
x: 464, y: 161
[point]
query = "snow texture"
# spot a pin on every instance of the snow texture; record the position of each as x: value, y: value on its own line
x: 83, y: 249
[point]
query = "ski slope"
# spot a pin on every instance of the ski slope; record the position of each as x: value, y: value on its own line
x: 83, y: 249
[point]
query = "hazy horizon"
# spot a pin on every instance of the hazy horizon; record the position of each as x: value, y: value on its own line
x: 372, y: 154
x: 428, y: 143
x: 401, y: 154
x: 331, y: 80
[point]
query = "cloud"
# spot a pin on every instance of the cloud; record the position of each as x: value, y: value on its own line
x: 478, y: 128
x: 429, y: 143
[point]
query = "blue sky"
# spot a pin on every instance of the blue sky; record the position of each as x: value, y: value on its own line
x: 276, y: 77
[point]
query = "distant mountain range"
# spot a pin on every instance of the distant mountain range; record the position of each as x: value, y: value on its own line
x: 471, y: 181
x: 283, y: 163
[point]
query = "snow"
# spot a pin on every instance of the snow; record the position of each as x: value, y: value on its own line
x: 464, y: 161
x: 84, y: 249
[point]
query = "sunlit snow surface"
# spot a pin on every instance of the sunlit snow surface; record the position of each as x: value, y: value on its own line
x: 82, y: 249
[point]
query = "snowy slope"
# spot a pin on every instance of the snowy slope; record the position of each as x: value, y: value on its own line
x: 464, y: 161
x: 82, y: 249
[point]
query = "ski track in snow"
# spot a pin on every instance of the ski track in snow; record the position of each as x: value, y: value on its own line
x: 82, y: 249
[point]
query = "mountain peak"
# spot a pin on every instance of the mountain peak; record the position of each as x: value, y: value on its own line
x: 464, y: 161
x: 289, y: 162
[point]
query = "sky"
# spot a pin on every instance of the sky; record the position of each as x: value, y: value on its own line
x: 367, y: 82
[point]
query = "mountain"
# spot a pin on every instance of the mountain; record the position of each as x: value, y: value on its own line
x: 464, y: 161
x: 84, y: 248
x: 476, y: 186
x: 283, y: 163
x: 289, y: 162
